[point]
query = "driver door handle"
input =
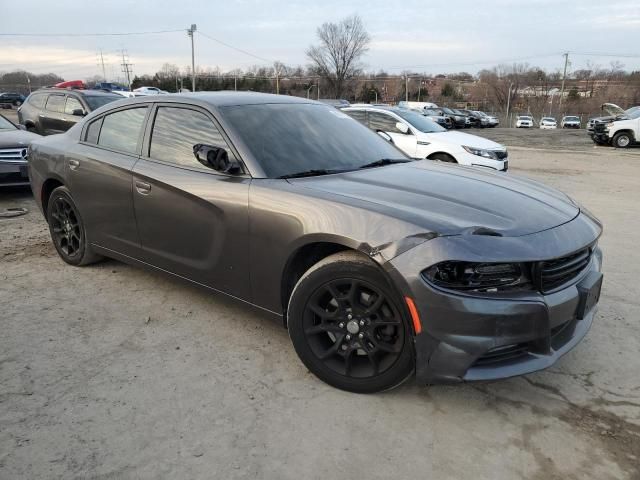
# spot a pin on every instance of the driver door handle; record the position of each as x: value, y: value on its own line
x: 143, y: 188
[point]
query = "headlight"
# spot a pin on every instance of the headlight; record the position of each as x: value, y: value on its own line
x: 481, y: 152
x: 478, y: 277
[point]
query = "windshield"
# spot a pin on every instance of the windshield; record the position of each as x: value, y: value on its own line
x: 99, y: 100
x: 290, y: 138
x: 420, y: 122
x: 571, y: 118
x: 6, y: 124
x: 548, y: 119
x: 446, y: 110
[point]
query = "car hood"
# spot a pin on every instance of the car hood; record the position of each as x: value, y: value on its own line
x: 16, y: 138
x: 460, y: 138
x: 449, y: 199
x: 612, y: 109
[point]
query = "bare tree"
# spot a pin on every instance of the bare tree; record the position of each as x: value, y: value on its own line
x: 342, y: 45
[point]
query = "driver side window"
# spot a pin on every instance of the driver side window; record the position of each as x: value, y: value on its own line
x: 382, y: 122
x: 175, y: 132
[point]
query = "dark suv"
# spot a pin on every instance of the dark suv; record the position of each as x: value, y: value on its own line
x: 8, y: 99
x: 56, y: 110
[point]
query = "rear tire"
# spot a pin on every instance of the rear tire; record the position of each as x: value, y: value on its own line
x: 349, y: 327
x: 67, y: 229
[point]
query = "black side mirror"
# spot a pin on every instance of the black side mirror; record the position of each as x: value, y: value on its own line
x: 216, y: 158
x: 78, y: 112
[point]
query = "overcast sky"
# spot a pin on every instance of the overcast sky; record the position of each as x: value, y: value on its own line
x: 421, y: 35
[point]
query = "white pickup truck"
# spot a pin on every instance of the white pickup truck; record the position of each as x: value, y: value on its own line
x: 621, y: 129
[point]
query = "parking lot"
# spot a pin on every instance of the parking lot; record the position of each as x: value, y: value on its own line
x: 109, y: 371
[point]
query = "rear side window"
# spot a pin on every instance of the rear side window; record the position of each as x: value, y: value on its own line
x: 359, y: 115
x: 121, y: 130
x: 37, y: 100
x: 93, y: 131
x: 55, y: 103
x: 177, y: 130
x: 71, y: 105
x: 381, y: 122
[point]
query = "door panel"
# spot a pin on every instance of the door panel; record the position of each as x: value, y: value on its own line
x: 51, y: 116
x: 101, y: 185
x: 192, y: 221
x: 194, y: 224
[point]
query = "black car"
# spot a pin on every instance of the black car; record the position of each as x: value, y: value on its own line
x: 457, y: 119
x: 11, y: 99
x: 14, y: 143
x: 439, y: 117
x: 474, y: 118
x: 56, y: 110
x: 378, y: 265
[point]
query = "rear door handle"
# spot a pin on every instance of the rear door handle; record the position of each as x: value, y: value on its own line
x: 74, y: 164
x: 143, y: 188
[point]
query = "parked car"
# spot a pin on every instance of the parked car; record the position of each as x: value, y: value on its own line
x: 337, y: 103
x: 623, y: 132
x: 597, y: 127
x: 492, y: 121
x: 11, y: 99
x: 548, y: 123
x: 379, y: 266
x: 570, y: 121
x: 524, y: 121
x: 457, y: 119
x: 467, y: 119
x: 475, y: 120
x: 14, y: 142
x: 416, y: 105
x: 109, y: 87
x: 54, y: 110
x: 148, y: 91
x: 439, y: 117
x: 420, y: 138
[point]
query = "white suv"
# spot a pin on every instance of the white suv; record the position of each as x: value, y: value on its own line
x: 548, y: 123
x: 524, y: 121
x: 420, y: 137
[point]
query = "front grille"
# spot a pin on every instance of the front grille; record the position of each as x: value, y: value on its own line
x: 501, y: 154
x: 502, y: 354
x: 13, y: 155
x: 600, y: 127
x: 553, y: 273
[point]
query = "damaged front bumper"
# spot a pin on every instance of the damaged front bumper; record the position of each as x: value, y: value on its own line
x: 486, y: 336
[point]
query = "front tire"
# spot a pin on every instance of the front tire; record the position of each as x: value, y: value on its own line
x: 622, y: 140
x: 67, y: 229
x: 443, y: 157
x: 349, y: 327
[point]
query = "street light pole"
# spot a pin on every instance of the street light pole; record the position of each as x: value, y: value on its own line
x: 406, y: 88
x: 190, y: 32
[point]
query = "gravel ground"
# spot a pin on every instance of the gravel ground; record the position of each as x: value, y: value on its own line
x: 112, y: 372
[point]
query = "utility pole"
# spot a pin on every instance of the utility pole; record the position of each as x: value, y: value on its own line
x: 564, y: 77
x: 406, y: 87
x: 104, y: 72
x: 126, y: 67
x: 508, y: 101
x: 193, y: 57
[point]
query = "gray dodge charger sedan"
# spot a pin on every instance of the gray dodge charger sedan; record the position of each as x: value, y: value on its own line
x: 379, y: 266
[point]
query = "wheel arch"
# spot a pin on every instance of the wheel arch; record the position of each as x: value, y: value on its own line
x: 48, y: 186
x: 625, y: 130
x: 434, y: 155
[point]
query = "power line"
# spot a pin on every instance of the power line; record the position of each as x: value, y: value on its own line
x: 235, y: 48
x: 120, y: 34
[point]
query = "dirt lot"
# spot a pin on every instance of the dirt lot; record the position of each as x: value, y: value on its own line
x: 112, y: 372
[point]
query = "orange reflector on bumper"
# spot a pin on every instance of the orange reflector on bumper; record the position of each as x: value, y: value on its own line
x: 417, y: 326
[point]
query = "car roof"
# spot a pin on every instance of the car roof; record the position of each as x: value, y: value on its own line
x: 90, y: 93
x: 229, y: 98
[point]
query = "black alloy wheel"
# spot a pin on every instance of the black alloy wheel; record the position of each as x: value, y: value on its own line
x: 347, y: 328
x: 67, y: 230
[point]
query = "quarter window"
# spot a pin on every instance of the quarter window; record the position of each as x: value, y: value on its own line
x: 176, y: 130
x: 93, y: 131
x: 37, y: 100
x: 55, y: 103
x: 359, y: 115
x: 382, y: 122
x: 72, y: 104
x: 121, y: 130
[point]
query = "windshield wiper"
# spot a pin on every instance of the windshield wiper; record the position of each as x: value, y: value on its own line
x: 384, y: 161
x: 311, y: 173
